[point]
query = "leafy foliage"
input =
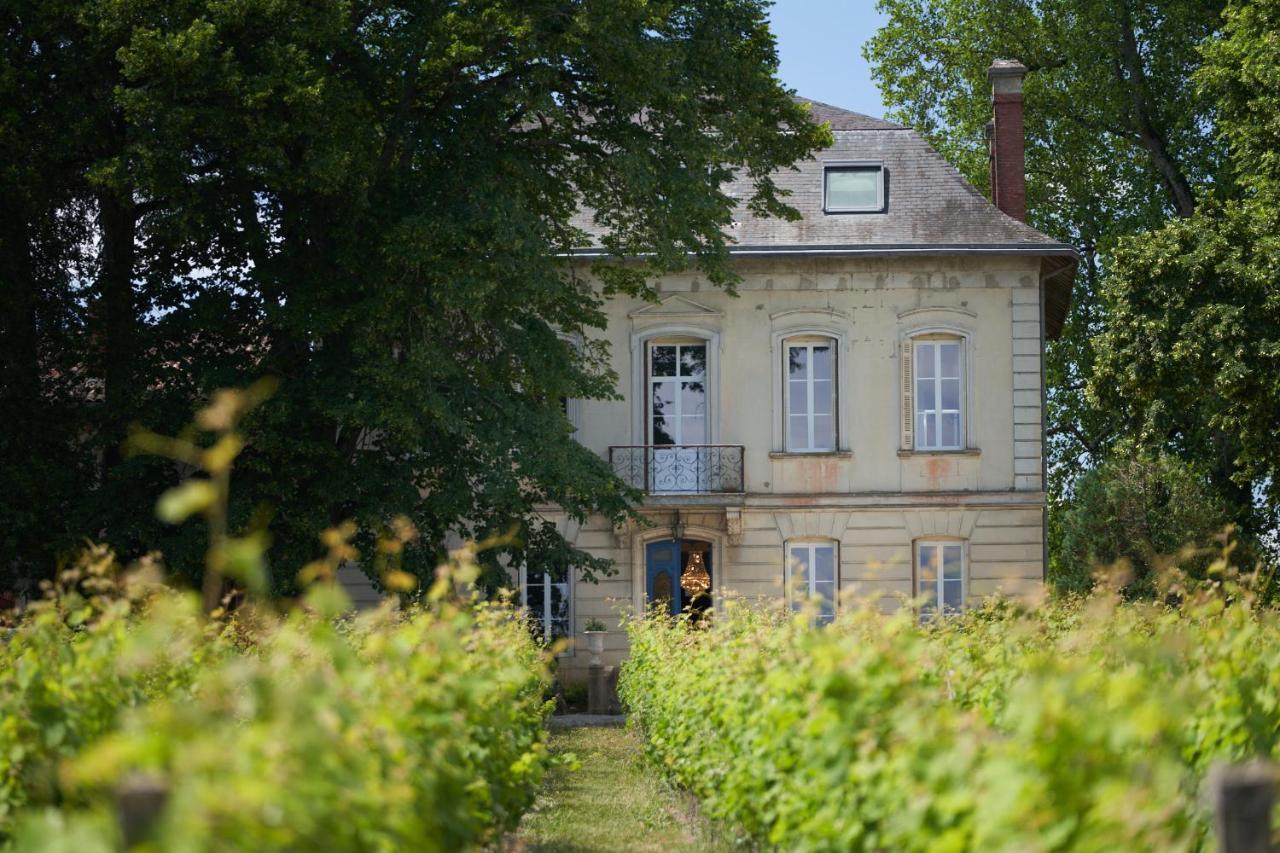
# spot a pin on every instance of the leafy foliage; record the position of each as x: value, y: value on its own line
x: 1085, y: 725
x: 421, y: 729
x: 1129, y: 514
x: 372, y: 203
x: 1138, y: 113
x: 258, y: 729
x: 1191, y: 354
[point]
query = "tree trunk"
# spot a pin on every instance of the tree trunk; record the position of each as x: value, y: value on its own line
x: 1133, y: 77
x: 19, y: 357
x: 119, y: 316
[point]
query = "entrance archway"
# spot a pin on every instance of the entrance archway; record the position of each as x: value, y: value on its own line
x: 680, y: 574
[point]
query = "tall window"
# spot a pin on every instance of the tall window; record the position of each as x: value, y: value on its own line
x: 811, y: 394
x: 547, y: 602
x: 812, y: 575
x: 940, y: 576
x: 939, y: 371
x: 678, y: 393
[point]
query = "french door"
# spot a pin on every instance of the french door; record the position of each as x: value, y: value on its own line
x: 677, y: 418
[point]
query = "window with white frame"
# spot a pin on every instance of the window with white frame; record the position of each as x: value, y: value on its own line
x: 940, y: 576
x: 853, y: 188
x: 938, y: 392
x: 677, y: 378
x: 810, y: 393
x: 547, y: 602
x: 813, y: 575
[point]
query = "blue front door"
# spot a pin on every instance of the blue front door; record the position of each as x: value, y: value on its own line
x: 662, y: 573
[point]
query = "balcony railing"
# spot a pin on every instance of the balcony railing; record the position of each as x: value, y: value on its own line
x: 680, y: 469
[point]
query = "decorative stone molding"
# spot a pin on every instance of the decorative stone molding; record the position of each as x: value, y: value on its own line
x: 733, y: 526
x: 672, y: 308
x: 811, y: 525
x: 952, y: 523
x: 622, y: 533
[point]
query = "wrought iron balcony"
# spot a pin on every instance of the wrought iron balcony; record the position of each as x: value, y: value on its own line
x: 680, y: 469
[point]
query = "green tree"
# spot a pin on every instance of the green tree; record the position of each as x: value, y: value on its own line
x: 1190, y: 358
x: 1137, y: 513
x: 1120, y: 140
x: 374, y: 202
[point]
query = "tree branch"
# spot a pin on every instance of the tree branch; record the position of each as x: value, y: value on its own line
x: 1129, y: 71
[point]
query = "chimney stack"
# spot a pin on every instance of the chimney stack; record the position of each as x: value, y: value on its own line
x: 1005, y: 138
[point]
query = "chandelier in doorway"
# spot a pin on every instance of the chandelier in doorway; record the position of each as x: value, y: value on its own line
x: 695, y: 579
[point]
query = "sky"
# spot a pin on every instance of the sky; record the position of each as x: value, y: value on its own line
x: 820, y: 51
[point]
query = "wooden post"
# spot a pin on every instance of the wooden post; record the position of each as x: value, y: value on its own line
x: 140, y: 800
x: 1243, y: 796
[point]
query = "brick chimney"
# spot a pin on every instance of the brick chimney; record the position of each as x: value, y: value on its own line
x: 1005, y: 138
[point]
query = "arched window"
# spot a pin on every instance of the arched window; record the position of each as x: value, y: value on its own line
x: 940, y: 576
x: 813, y: 574
x: 810, y: 367
x: 933, y: 387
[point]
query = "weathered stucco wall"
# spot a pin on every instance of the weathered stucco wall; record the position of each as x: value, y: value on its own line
x: 874, y: 304
x: 874, y: 497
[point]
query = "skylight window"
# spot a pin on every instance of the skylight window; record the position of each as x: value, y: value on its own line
x: 853, y: 188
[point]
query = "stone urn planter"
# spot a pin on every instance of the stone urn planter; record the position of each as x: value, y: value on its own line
x: 595, y: 634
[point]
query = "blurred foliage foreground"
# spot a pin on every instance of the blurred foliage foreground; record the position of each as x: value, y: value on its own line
x: 136, y: 715
x: 1087, y: 724
x: 128, y: 717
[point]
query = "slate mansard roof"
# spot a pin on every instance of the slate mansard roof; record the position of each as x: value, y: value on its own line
x: 930, y: 209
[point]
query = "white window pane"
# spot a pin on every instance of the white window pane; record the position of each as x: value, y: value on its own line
x: 662, y: 413
x: 853, y: 188
x: 926, y: 401
x: 822, y: 361
x: 930, y: 430
x: 823, y: 432
x: 693, y: 398
x: 950, y: 430
x: 824, y: 561
x: 693, y: 360
x: 826, y: 603
x: 798, y: 362
x: 952, y: 595
x: 951, y: 562
x: 924, y: 360
x: 693, y: 429
x: 664, y: 398
x: 950, y: 359
x: 663, y: 361
x: 800, y: 568
x: 927, y: 570
x: 798, y: 432
x: 951, y: 394
x: 559, y: 610
x: 822, y: 394
x: 799, y: 397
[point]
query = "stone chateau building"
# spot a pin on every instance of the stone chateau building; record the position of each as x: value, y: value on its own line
x: 864, y: 420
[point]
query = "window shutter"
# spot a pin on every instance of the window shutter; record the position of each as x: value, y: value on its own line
x: 908, y: 397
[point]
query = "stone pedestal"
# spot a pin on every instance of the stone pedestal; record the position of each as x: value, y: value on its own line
x: 597, y: 690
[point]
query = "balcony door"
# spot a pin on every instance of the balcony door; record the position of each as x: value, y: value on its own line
x: 677, y: 419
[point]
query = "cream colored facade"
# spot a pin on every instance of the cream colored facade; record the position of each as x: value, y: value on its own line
x: 875, y: 496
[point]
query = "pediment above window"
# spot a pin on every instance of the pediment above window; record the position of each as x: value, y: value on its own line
x: 925, y: 310
x: 800, y: 315
x: 675, y: 307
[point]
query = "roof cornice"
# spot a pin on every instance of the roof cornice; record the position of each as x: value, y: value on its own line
x: 872, y: 249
